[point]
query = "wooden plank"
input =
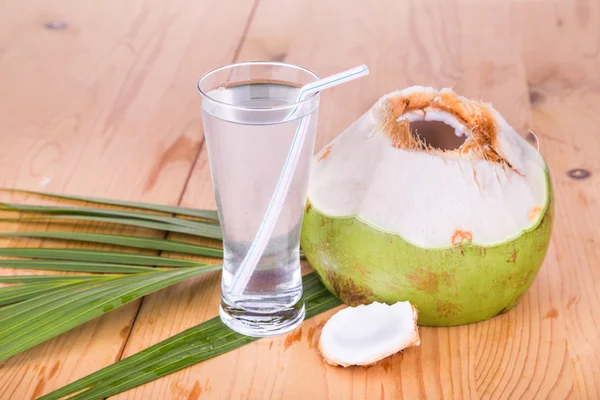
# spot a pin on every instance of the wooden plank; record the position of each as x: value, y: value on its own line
x: 567, y: 121
x: 105, y: 107
x: 479, y: 48
x: 564, y: 89
x: 519, y: 354
x: 537, y: 62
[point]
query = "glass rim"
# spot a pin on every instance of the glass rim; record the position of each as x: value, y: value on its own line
x: 246, y: 63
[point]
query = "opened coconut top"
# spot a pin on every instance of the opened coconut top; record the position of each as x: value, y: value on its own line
x: 468, y: 118
x: 486, y: 191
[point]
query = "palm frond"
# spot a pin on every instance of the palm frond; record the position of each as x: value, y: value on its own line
x: 52, y: 278
x: 102, y: 256
x: 140, y: 223
x: 33, y: 321
x: 74, y: 266
x: 18, y: 293
x: 190, y: 212
x: 123, y: 240
x: 206, y: 229
x: 204, y: 341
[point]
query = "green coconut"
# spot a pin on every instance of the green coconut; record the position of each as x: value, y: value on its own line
x: 459, y: 232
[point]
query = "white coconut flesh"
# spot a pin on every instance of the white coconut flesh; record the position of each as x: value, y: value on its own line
x: 487, y: 191
x: 365, y: 334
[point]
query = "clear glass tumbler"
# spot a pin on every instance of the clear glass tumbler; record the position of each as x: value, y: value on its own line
x: 246, y: 111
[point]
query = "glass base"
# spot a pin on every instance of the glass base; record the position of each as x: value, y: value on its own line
x: 262, y: 324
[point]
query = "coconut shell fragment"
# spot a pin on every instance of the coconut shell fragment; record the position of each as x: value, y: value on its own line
x: 366, y: 334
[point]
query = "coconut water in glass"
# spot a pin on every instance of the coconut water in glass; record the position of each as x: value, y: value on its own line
x: 246, y: 112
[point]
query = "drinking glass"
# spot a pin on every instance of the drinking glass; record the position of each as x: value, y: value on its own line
x: 250, y: 114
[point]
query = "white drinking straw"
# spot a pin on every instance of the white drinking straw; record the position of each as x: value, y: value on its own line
x: 248, y: 265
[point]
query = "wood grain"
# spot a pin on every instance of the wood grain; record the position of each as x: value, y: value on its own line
x: 523, y: 354
x: 105, y: 107
x: 114, y: 113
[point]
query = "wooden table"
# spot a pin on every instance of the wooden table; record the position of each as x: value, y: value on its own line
x: 99, y: 98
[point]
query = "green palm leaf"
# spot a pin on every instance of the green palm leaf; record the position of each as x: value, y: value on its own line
x: 36, y: 320
x: 190, y: 212
x: 122, y: 240
x: 18, y: 293
x: 52, y: 278
x: 206, y: 229
x: 102, y: 256
x: 74, y: 266
x: 204, y: 341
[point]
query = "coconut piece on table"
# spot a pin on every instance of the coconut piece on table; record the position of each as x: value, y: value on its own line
x: 365, y: 334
